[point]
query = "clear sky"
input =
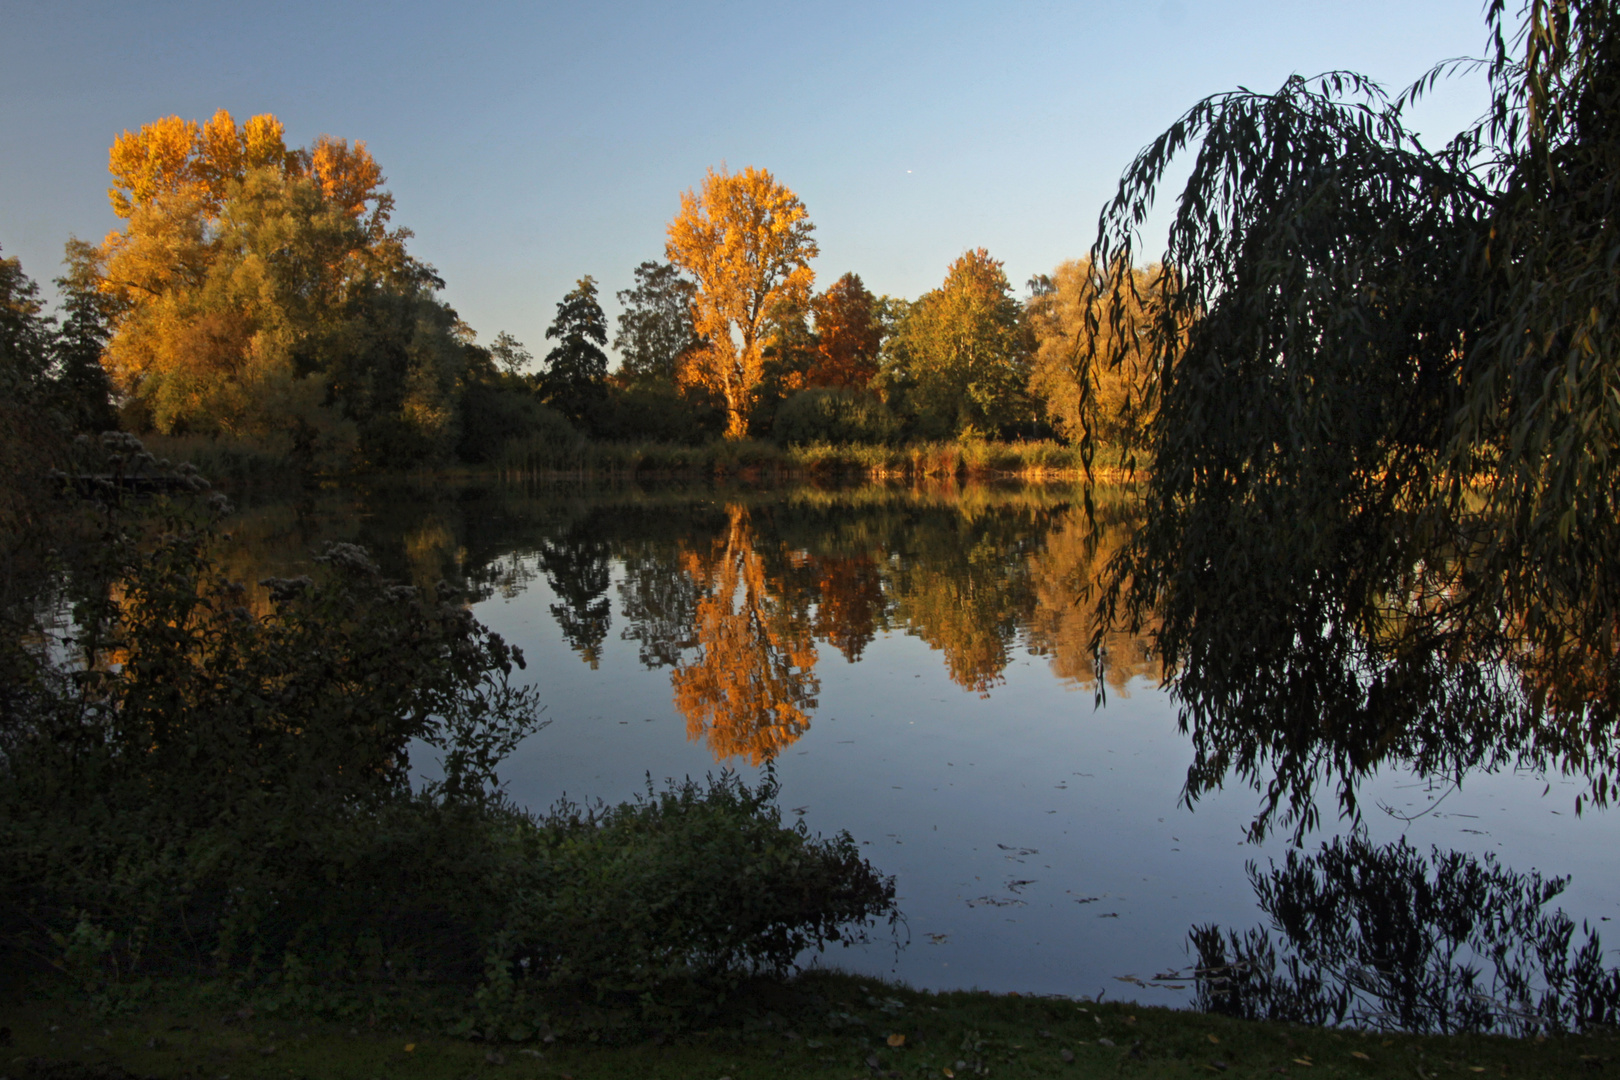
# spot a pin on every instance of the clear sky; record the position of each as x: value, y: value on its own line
x: 530, y: 143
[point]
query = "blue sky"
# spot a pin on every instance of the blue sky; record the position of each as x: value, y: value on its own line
x: 530, y: 143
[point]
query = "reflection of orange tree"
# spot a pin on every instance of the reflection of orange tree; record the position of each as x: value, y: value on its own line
x: 1064, y: 619
x: 967, y: 597
x: 851, y: 601
x: 748, y: 691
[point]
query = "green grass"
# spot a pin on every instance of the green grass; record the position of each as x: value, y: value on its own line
x: 820, y: 1025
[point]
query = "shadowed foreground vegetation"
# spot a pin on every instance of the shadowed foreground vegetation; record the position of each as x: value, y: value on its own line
x: 195, y: 782
x: 818, y: 1025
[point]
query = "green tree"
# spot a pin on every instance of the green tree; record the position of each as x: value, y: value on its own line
x: 577, y: 366
x: 1385, y: 431
x: 508, y: 353
x: 25, y: 334
x: 655, y: 327
x: 960, y: 354
x: 88, y: 314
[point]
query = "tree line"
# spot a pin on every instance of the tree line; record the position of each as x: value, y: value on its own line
x: 258, y: 291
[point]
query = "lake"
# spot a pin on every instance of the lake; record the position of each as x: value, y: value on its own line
x: 914, y: 664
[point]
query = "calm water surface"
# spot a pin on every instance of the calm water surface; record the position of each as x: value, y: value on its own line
x: 913, y: 663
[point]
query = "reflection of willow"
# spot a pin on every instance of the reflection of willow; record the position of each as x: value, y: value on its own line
x: 749, y: 690
x: 1379, y: 936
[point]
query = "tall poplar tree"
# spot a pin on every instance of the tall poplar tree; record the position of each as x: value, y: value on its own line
x: 747, y: 242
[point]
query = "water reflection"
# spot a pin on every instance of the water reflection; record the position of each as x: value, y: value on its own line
x: 1380, y: 936
x: 737, y: 593
x: 749, y: 690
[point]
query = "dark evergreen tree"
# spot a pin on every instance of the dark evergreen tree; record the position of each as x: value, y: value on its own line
x: 83, y: 390
x: 576, y: 368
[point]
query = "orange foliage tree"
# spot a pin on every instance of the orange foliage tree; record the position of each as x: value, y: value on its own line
x: 848, y: 334
x: 746, y: 240
x: 748, y: 691
x: 259, y: 289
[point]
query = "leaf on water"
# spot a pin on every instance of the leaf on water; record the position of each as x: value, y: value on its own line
x: 1018, y: 885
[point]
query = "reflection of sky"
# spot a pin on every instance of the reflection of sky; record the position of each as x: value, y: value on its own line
x: 934, y: 780
x: 531, y: 143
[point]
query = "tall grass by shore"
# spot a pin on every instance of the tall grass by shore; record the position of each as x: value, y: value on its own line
x: 1044, y: 459
x: 269, y: 462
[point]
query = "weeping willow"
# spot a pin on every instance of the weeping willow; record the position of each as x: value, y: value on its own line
x: 1379, y: 519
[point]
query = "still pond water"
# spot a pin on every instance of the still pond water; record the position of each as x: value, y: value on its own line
x: 914, y: 663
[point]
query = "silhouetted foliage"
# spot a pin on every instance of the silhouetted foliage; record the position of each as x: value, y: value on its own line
x: 576, y: 366
x: 1378, y: 445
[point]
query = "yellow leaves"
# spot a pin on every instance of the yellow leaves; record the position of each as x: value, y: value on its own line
x: 234, y: 249
x: 348, y: 176
x: 897, y: 1040
x: 151, y: 162
x: 746, y: 240
x: 174, y: 156
x: 263, y: 141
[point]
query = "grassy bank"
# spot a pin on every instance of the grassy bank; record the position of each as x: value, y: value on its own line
x: 819, y: 1025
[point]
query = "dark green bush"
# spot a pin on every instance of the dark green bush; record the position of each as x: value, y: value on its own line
x: 496, y: 414
x: 686, y: 892
x: 199, y: 779
x: 834, y: 415
x: 654, y: 413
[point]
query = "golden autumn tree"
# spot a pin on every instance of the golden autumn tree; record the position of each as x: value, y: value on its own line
x: 259, y: 289
x: 749, y: 690
x: 1077, y: 314
x: 746, y: 240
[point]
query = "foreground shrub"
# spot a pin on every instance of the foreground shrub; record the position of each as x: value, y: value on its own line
x: 201, y: 779
x: 687, y: 891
